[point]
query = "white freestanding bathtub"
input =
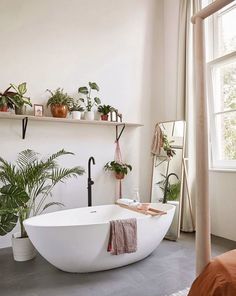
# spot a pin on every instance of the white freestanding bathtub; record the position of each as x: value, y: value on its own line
x: 76, y: 240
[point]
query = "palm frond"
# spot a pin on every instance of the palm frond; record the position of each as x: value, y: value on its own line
x: 62, y: 174
x: 58, y: 154
x: 26, y: 158
x: 7, y: 172
x: 53, y: 203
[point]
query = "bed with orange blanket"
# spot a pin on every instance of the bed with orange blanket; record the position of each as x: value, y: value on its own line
x: 218, y: 278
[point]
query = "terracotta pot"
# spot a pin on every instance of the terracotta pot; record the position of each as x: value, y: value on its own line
x: 104, y: 117
x: 120, y: 176
x: 59, y: 111
x: 21, y: 110
x: 4, y: 108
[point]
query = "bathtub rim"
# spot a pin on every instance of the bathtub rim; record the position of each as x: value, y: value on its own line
x: 141, y: 217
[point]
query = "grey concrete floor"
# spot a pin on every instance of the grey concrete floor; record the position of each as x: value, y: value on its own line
x: 168, y: 269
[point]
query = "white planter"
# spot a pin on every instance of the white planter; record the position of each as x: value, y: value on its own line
x: 89, y: 115
x: 23, y: 249
x: 97, y: 115
x: 76, y: 115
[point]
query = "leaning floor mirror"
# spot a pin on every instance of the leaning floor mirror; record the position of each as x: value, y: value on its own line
x: 168, y: 170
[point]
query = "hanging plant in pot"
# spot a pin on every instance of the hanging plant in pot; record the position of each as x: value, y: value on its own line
x: 76, y: 109
x: 88, y: 101
x: 119, y: 169
x: 6, y: 100
x: 19, y: 99
x: 104, y: 110
x: 59, y: 103
x: 26, y: 185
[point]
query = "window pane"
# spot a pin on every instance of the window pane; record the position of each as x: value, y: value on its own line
x: 227, y: 31
x: 224, y: 87
x: 226, y: 135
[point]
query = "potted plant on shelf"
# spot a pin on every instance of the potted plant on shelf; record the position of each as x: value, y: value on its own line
x: 89, y: 102
x: 104, y: 110
x: 6, y: 100
x: 76, y: 109
x: 19, y: 99
x: 26, y: 185
x: 170, y: 152
x: 59, y: 103
x: 120, y: 169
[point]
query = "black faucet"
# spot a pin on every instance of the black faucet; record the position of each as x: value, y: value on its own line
x: 166, y: 186
x: 90, y: 181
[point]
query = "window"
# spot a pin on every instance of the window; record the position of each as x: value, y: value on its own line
x: 221, y: 75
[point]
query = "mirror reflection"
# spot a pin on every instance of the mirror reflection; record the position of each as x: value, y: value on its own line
x: 168, y: 175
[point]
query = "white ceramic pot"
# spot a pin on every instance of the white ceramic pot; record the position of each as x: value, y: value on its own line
x: 23, y: 249
x: 89, y: 115
x: 97, y: 115
x: 76, y: 115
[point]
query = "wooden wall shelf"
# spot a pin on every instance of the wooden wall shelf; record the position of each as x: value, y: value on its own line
x: 26, y: 118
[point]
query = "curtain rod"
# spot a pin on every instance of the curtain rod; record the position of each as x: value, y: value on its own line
x: 210, y: 9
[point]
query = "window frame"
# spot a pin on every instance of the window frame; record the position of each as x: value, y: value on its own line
x: 212, y: 53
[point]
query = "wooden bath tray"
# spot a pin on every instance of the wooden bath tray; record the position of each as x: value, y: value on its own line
x: 150, y: 211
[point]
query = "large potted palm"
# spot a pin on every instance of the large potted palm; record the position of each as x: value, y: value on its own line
x: 26, y: 186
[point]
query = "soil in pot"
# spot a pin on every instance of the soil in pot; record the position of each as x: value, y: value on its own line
x: 104, y: 117
x: 23, y: 249
x: 59, y: 111
x: 3, y: 108
x: 119, y: 176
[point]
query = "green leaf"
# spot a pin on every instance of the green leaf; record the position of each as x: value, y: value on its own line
x: 83, y: 90
x: 94, y: 85
x: 13, y: 197
x: 97, y: 100
x: 22, y: 88
x: 8, y: 221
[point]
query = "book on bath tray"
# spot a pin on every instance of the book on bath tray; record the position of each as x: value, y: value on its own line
x: 136, y: 206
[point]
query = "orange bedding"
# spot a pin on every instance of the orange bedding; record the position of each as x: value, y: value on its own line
x: 218, y: 278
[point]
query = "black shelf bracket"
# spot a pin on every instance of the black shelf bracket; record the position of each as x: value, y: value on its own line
x: 118, y: 135
x: 24, y: 126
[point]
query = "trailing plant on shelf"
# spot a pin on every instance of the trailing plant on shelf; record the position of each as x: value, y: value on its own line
x: 59, y: 102
x: 19, y: 99
x: 6, y: 99
x: 104, y: 110
x: 89, y: 101
x: 26, y: 186
x: 173, y: 190
x: 120, y: 169
x: 76, y: 109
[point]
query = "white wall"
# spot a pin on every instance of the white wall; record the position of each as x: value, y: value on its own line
x: 61, y: 43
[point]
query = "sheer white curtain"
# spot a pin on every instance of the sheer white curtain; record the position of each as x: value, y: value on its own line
x: 185, y: 102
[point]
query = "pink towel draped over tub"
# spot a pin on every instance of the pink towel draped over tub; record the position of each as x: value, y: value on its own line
x: 123, y: 236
